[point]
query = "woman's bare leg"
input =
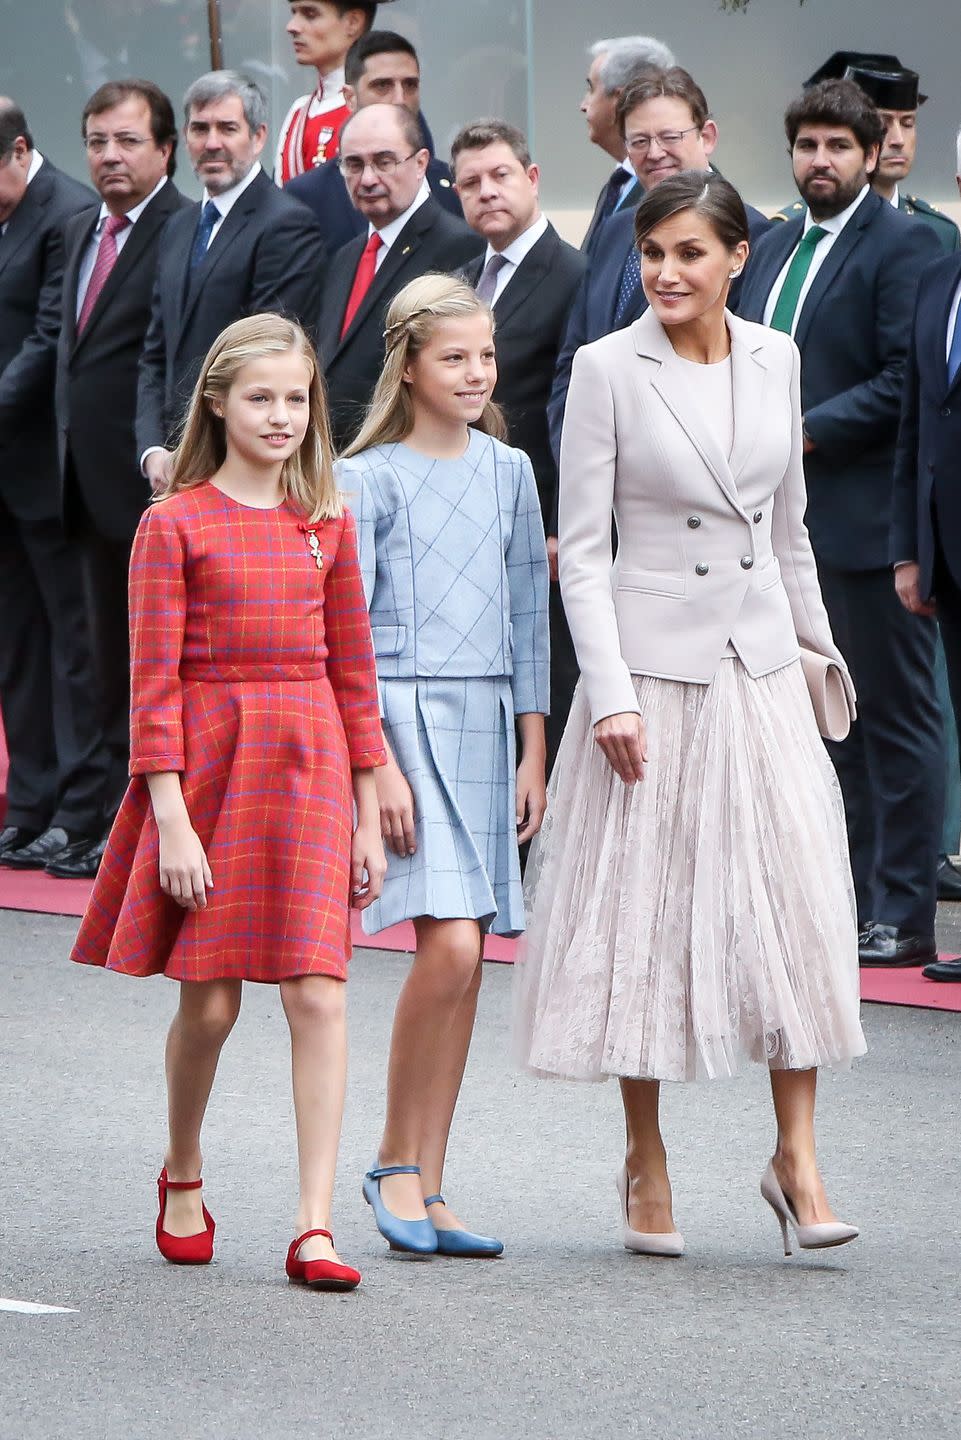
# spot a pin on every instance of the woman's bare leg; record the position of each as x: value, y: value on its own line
x: 795, y: 1163
x: 649, y: 1198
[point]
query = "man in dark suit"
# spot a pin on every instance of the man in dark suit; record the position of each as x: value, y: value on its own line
x: 926, y: 522
x: 666, y: 127
x: 615, y: 64
x: 384, y: 161
x: 382, y: 69
x: 111, y: 262
x: 842, y: 280
x: 245, y: 247
x: 529, y: 276
x: 57, y: 759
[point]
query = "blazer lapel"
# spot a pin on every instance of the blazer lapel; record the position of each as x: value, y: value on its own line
x: 406, y: 245
x: 129, y: 257
x: 749, y: 377
x: 234, y: 225
x: 765, y: 266
x: 941, y: 334
x: 674, y: 389
x: 833, y: 262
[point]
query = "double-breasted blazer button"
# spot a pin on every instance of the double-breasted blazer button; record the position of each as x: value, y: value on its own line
x: 693, y: 521
x: 701, y: 569
x: 758, y: 516
x: 746, y: 562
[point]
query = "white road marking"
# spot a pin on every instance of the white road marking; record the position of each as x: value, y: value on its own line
x: 27, y: 1307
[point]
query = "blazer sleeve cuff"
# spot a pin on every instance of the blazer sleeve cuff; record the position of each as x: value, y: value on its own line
x: 612, y: 695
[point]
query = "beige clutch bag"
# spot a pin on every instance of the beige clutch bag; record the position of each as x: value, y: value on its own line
x: 829, y: 696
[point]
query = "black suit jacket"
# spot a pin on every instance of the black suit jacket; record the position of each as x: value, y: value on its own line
x: 531, y: 317
x: 431, y: 240
x: 595, y: 305
x: 31, y: 284
x: 927, y: 471
x: 97, y: 444
x: 325, y: 192
x: 267, y: 255
x: 853, y: 334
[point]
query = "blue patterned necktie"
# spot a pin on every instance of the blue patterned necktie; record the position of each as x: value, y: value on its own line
x: 630, y: 284
x: 209, y: 216
x: 954, y: 356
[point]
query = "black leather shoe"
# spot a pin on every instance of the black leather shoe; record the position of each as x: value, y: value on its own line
x: 36, y: 855
x: 884, y: 946
x: 79, y: 861
x: 943, y: 970
x: 949, y: 880
x: 14, y: 837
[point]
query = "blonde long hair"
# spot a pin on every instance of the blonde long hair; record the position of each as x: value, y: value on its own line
x: 411, y: 321
x: 307, y: 478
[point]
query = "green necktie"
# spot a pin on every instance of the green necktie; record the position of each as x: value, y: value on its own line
x: 783, y: 317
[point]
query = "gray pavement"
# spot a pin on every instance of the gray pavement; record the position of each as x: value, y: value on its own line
x: 567, y: 1336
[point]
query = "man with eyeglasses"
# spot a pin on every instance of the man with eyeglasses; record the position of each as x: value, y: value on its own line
x: 383, y: 159
x: 667, y: 127
x: 112, y: 252
x: 244, y: 247
x: 57, y: 761
x: 382, y: 68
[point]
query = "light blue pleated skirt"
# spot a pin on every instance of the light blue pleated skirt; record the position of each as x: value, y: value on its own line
x: 454, y: 742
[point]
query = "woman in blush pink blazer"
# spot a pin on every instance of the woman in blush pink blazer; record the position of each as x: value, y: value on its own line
x: 690, y: 892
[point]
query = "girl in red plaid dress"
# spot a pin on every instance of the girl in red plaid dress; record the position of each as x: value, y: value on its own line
x: 254, y: 732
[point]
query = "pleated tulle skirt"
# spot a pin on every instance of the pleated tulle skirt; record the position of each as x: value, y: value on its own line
x: 704, y: 916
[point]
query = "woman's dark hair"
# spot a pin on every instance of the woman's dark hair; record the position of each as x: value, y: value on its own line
x: 707, y: 194
x: 163, y: 126
x: 835, y: 102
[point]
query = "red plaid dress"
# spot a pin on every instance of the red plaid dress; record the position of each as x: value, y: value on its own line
x: 252, y: 674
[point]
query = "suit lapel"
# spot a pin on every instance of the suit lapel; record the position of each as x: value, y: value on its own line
x: 941, y: 334
x: 765, y: 266
x: 674, y: 389
x: 22, y: 223
x: 535, y: 265
x: 833, y: 262
x: 234, y: 225
x: 129, y: 257
x: 71, y: 276
x: 398, y: 256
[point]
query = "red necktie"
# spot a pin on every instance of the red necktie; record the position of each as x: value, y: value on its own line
x: 104, y: 263
x: 366, y: 270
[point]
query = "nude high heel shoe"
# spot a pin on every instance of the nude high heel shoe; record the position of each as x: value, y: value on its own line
x: 670, y: 1244
x: 809, y: 1237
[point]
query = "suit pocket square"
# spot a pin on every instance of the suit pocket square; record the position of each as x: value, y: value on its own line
x: 833, y: 707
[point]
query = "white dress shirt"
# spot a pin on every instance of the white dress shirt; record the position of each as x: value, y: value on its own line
x: 390, y: 232
x: 514, y: 253
x: 36, y: 160
x: 120, y: 239
x: 834, y: 225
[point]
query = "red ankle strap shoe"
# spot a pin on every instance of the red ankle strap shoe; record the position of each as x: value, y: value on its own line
x: 319, y: 1274
x: 183, y: 1249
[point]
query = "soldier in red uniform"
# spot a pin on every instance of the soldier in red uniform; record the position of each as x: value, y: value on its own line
x: 322, y: 32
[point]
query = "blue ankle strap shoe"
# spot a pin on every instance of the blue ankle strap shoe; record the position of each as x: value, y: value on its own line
x: 463, y: 1243
x: 416, y: 1237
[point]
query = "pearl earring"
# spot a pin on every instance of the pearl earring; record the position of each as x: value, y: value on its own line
x: 735, y: 273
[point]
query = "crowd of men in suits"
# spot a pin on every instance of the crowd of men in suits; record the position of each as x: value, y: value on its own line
x: 110, y: 298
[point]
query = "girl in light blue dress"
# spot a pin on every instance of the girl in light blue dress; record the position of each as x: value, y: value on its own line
x: 455, y: 571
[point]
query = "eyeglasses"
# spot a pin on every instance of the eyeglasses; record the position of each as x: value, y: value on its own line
x: 666, y: 139
x: 384, y: 163
x: 129, y: 144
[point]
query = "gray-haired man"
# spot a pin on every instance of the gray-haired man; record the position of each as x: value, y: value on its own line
x: 245, y: 247
x: 614, y: 64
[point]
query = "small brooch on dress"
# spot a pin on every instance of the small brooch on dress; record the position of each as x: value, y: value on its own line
x: 313, y: 544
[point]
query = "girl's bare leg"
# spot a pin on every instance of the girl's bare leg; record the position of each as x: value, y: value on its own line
x: 204, y: 1019
x: 316, y: 1010
x: 428, y: 1051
